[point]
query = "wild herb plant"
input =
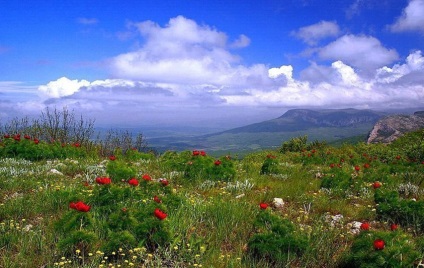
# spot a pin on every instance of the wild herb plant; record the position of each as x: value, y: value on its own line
x: 73, y: 207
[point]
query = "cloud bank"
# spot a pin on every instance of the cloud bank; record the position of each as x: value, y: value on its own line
x: 412, y: 18
x: 188, y: 72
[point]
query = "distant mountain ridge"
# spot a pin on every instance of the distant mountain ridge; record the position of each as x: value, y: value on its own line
x: 303, y: 119
x: 392, y: 127
x: 330, y: 125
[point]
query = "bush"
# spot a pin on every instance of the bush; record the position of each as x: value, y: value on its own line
x: 119, y: 170
x: 270, y: 165
x: 116, y: 218
x: 382, y: 249
x: 276, y: 241
x: 406, y: 212
x: 412, y: 145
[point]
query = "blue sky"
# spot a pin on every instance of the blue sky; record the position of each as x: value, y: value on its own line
x: 208, y: 63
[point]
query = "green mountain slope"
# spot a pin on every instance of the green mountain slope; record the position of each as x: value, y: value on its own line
x: 329, y: 125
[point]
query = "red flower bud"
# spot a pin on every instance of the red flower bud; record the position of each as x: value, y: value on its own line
x: 379, y: 244
x: 80, y: 206
x: 147, y: 177
x: 156, y: 199
x: 365, y: 226
x: 263, y: 205
x: 103, y: 180
x: 112, y: 158
x: 133, y: 182
x: 394, y: 227
x: 160, y: 214
x: 164, y: 182
x: 376, y: 185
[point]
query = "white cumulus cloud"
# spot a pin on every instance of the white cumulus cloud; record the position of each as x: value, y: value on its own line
x: 62, y: 87
x: 363, y: 52
x: 312, y: 34
x: 412, y: 18
x: 187, y: 53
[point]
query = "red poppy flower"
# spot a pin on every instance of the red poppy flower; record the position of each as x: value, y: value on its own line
x: 80, y: 206
x: 394, y: 226
x: 36, y: 141
x: 147, y: 177
x: 365, y: 226
x: 379, y: 244
x: 202, y: 153
x: 195, y: 153
x: 72, y: 205
x: 6, y: 136
x: 164, y: 182
x: 103, y: 180
x: 133, y: 182
x: 76, y: 144
x: 357, y: 168
x: 271, y: 156
x: 160, y: 214
x: 263, y: 205
x: 376, y: 185
x: 112, y: 158
x: 27, y: 137
x: 398, y: 157
x: 366, y: 165
x: 332, y: 165
x: 217, y: 162
x: 157, y: 199
x: 17, y: 137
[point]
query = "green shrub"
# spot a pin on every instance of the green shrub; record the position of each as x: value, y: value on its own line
x: 406, y: 212
x: 222, y: 169
x: 120, y: 170
x: 276, y: 240
x: 398, y: 249
x: 411, y: 145
x: 270, y: 165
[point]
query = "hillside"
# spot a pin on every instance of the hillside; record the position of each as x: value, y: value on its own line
x: 330, y: 125
x: 304, y: 119
x: 392, y: 127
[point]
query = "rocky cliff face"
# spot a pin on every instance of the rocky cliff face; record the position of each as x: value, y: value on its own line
x: 392, y: 127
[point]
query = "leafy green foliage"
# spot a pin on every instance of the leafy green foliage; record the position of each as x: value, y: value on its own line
x: 412, y: 145
x: 276, y: 240
x: 397, y: 250
x: 120, y: 170
x: 201, y: 212
x: 406, y: 212
x: 32, y: 149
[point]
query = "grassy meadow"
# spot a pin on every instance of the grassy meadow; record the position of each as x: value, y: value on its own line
x: 305, y: 204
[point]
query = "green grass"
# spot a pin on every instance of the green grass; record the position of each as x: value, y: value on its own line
x: 209, y: 222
